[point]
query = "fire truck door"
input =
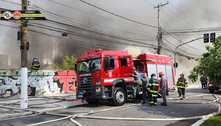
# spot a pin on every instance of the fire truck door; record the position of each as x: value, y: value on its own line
x: 125, y: 67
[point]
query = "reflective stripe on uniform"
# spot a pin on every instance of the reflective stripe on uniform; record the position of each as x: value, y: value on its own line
x: 154, y: 95
x: 154, y: 84
x: 152, y: 91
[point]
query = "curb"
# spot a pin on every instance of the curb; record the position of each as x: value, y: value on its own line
x: 203, y: 119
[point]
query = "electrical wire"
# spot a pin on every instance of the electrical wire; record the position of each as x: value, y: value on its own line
x: 55, y: 36
x: 70, y: 7
x: 89, y: 37
x: 114, y: 14
x: 80, y: 28
x: 117, y: 15
x: 40, y: 32
x: 110, y: 36
x: 111, y: 14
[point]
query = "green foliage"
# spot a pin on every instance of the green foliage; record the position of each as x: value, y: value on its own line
x: 210, y: 62
x: 67, y: 64
x: 213, y: 121
x: 193, y: 76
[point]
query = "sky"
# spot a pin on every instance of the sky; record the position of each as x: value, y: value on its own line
x: 178, y: 15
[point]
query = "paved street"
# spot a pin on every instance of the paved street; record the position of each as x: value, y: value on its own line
x: 199, y: 102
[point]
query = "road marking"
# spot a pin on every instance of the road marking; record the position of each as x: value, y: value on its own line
x: 49, y: 121
x: 190, y: 96
x: 149, y: 119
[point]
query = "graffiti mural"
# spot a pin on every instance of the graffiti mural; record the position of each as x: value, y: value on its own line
x: 41, y: 83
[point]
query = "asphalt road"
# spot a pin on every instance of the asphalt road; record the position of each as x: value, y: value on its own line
x: 199, y: 102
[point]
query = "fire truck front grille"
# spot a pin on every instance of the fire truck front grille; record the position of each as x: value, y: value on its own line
x: 85, y: 83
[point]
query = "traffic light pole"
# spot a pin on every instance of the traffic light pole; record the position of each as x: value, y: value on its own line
x: 182, y: 44
x: 24, y: 59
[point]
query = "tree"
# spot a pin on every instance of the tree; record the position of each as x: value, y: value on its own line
x: 210, y: 63
x: 67, y: 64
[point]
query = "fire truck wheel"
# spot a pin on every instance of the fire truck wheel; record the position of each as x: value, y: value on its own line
x: 119, y: 97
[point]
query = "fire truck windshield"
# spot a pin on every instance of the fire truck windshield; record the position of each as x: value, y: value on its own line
x: 89, y: 66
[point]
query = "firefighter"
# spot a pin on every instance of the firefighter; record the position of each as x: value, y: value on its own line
x: 181, y: 85
x: 163, y: 88
x: 204, y: 81
x: 35, y: 64
x: 144, y: 87
x: 141, y: 79
x: 153, y: 90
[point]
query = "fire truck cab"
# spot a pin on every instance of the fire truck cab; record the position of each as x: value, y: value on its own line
x: 109, y: 75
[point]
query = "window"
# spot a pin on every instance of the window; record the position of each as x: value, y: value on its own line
x: 94, y: 64
x: 138, y: 66
x: 109, y: 63
x: 161, y: 68
x: 88, y: 66
x: 152, y: 69
x: 169, y: 75
x: 123, y: 62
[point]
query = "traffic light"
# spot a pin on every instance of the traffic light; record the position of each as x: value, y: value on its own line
x: 206, y: 37
x: 212, y: 37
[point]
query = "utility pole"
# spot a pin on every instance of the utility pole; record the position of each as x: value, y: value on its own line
x: 159, y: 32
x: 24, y: 58
x: 23, y: 16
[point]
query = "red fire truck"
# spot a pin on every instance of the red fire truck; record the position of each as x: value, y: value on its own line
x: 108, y: 75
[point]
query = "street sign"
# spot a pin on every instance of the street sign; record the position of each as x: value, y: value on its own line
x: 21, y: 15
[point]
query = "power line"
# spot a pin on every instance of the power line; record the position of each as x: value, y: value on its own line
x: 182, y: 31
x: 80, y: 28
x: 104, y: 11
x: 89, y: 37
x: 107, y: 35
x: 43, y: 33
x: 117, y: 15
x: 67, y: 6
x: 50, y: 35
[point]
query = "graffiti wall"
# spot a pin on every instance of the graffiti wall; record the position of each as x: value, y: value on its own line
x: 40, y: 83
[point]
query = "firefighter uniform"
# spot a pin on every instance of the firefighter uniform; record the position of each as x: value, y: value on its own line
x: 181, y: 86
x: 35, y: 64
x: 153, y: 90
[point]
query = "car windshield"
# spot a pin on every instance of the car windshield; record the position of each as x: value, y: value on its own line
x: 88, y: 66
